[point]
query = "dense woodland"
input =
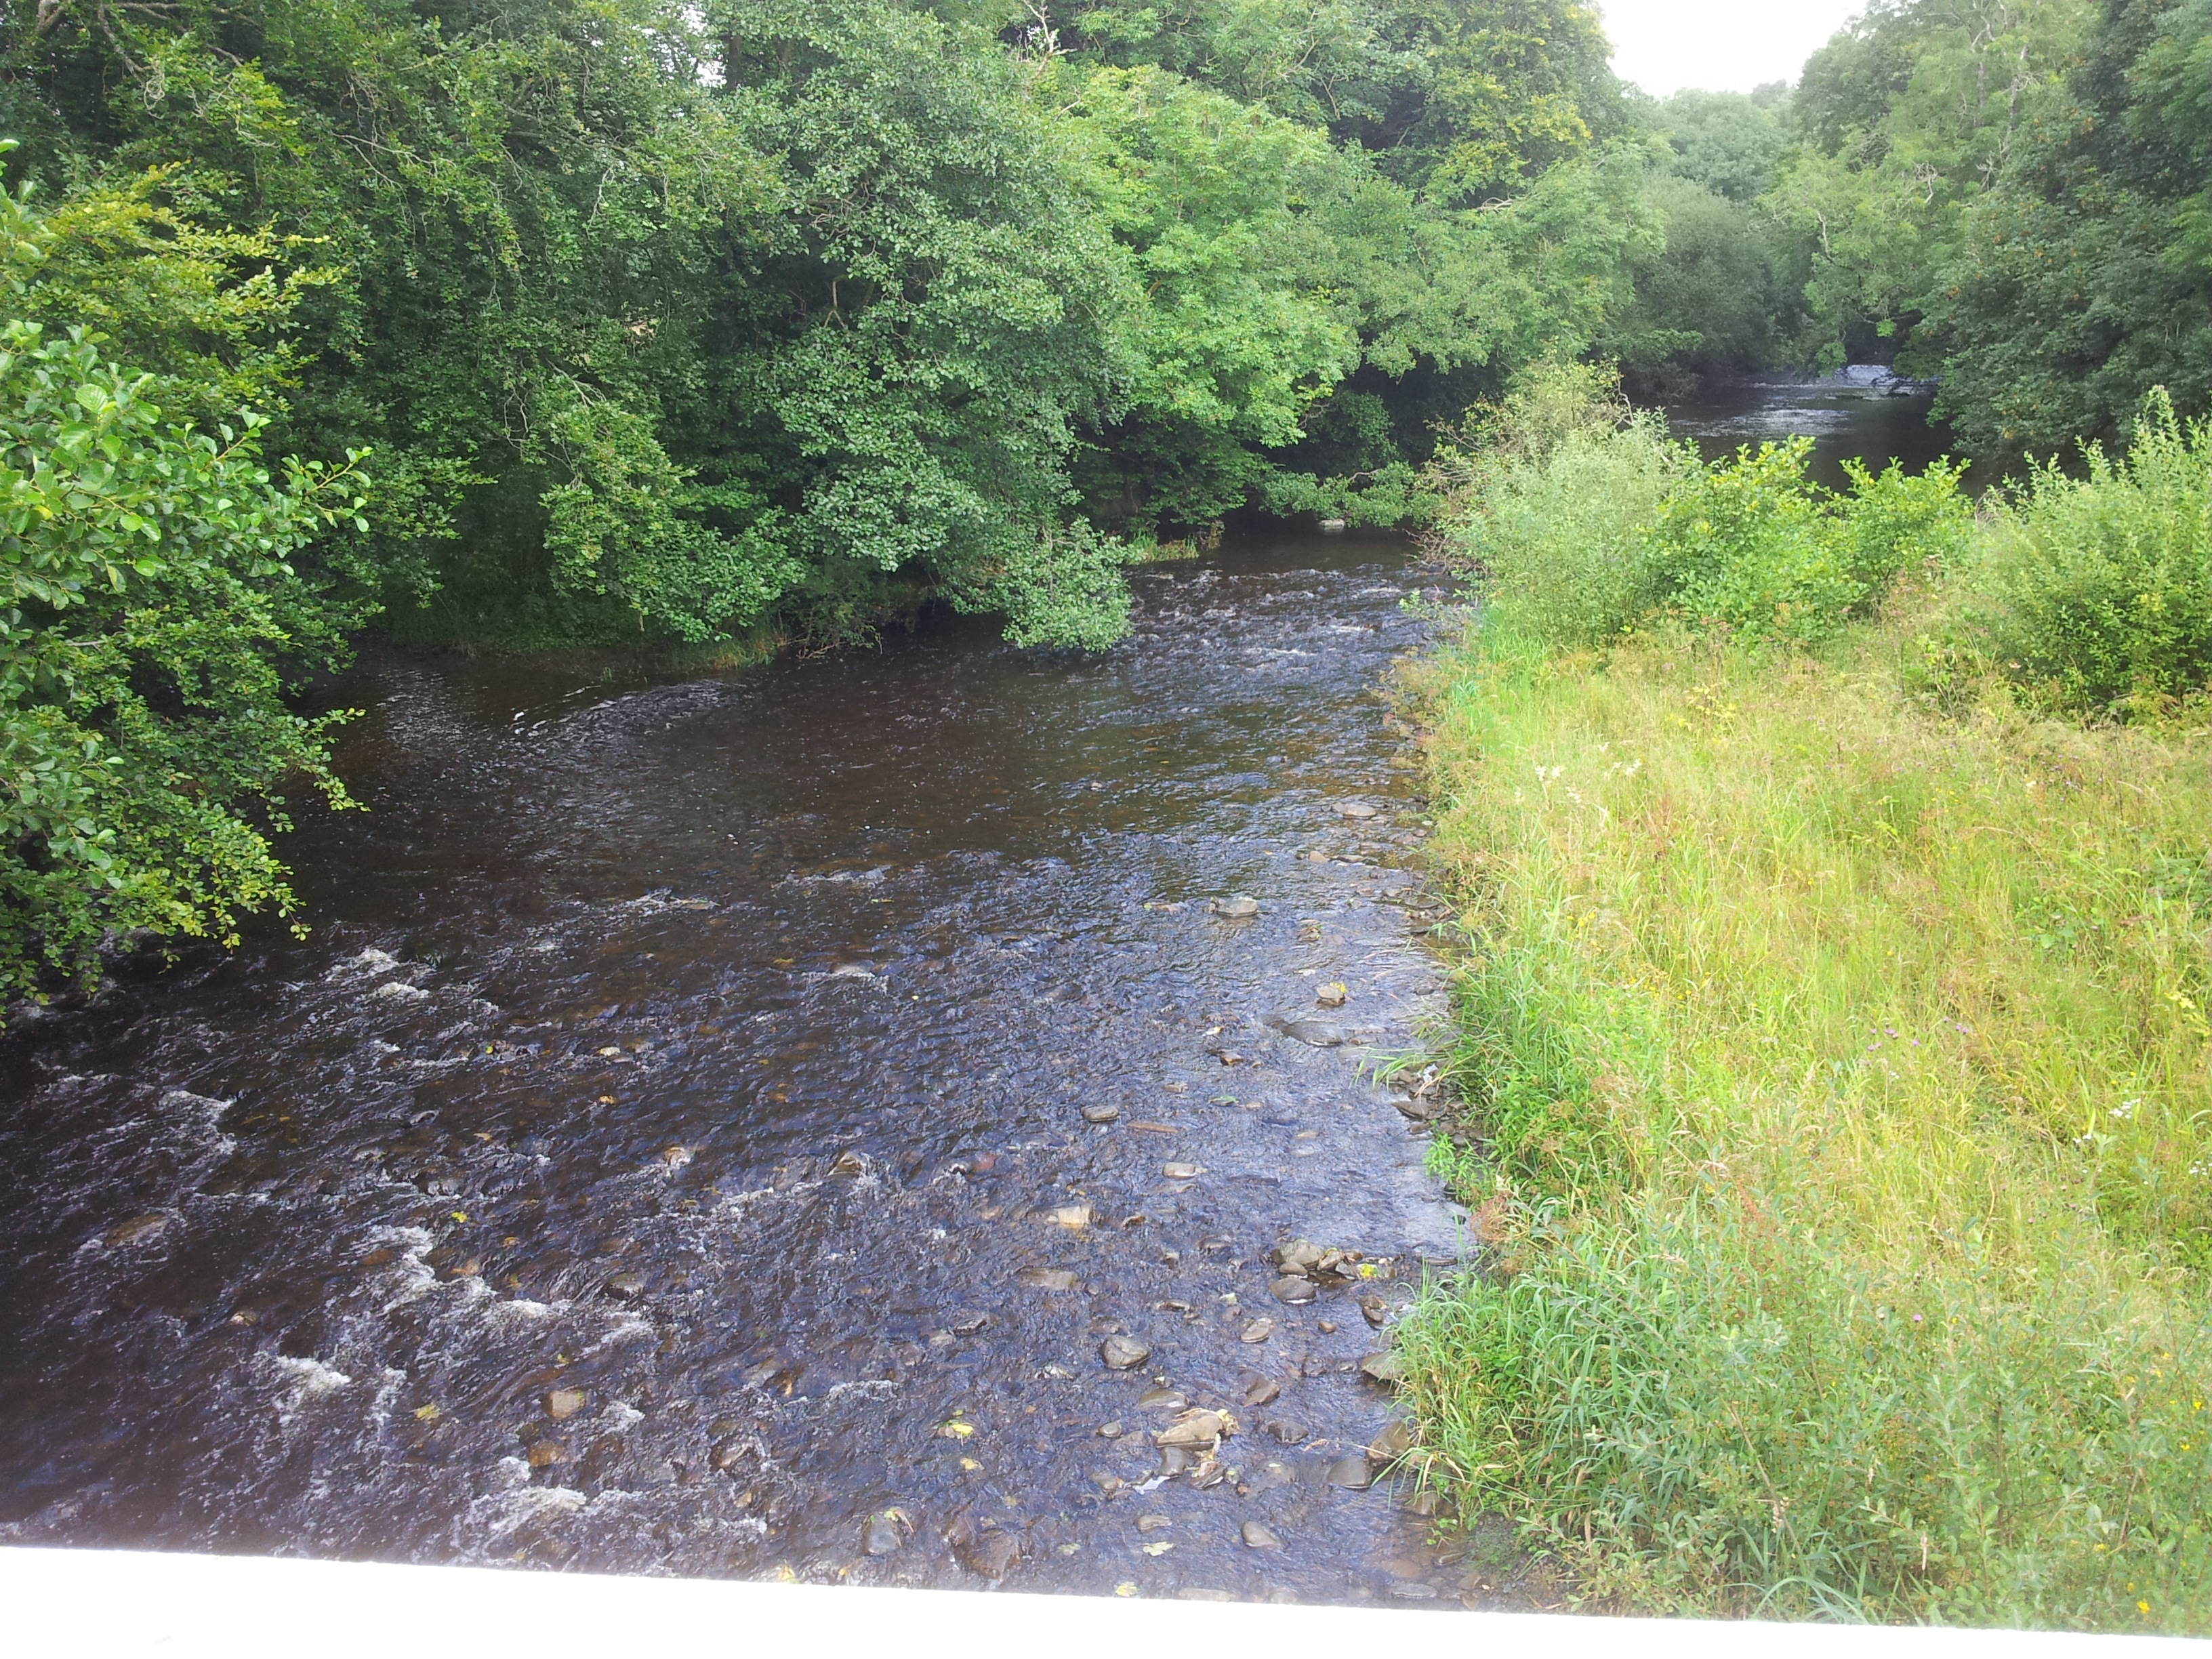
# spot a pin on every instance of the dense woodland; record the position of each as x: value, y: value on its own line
x: 562, y: 323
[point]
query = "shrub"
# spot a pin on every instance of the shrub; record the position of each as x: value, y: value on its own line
x: 2096, y: 589
x: 1585, y: 522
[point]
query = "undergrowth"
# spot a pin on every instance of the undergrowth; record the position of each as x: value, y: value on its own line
x: 1834, y: 1053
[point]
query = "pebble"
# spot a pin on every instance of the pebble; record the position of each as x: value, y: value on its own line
x: 1153, y: 1523
x: 1102, y: 1114
x: 628, y: 1287
x: 1258, y: 1330
x: 1318, y: 1033
x: 1373, y: 1309
x: 1074, y: 1215
x: 1258, y: 1537
x: 1332, y: 996
x: 1162, y: 1399
x: 1262, y: 1391
x: 1239, y: 907
x: 882, y: 1537
x: 1123, y: 1353
x: 1359, y: 811
x: 1289, y: 1433
x: 564, y: 1402
x: 1182, y: 1171
x: 1290, y: 1289
x: 1328, y: 1328
x: 1110, y: 1431
x: 546, y: 1452
x: 849, y: 1164
x: 1351, y: 1471
x: 967, y: 1324
x: 1049, y: 1278
x: 726, y: 1455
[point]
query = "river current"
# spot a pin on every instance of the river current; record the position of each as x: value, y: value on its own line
x: 826, y: 1119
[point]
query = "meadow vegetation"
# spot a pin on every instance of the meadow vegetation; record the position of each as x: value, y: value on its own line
x: 1837, y: 893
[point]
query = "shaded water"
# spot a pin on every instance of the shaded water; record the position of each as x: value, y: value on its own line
x: 661, y: 1155
x: 1847, y: 419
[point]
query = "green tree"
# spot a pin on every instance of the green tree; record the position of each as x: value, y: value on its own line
x: 157, y: 614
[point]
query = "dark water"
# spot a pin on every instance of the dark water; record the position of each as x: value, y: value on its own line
x: 1848, y: 418
x: 652, y: 1160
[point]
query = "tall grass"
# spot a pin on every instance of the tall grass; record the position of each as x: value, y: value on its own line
x: 1839, y: 1111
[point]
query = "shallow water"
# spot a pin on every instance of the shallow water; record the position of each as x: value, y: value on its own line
x: 781, y: 992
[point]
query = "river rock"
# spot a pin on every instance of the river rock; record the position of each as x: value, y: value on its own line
x: 1298, y: 1256
x: 1393, y: 1444
x: 1182, y: 1171
x: 1359, y: 810
x: 1320, y: 1033
x: 138, y: 1227
x: 1257, y: 1537
x: 1197, y: 1428
x: 1049, y: 1278
x: 849, y: 1164
x: 993, y: 1555
x: 1292, y: 1289
x: 1290, y: 1434
x: 1385, y: 1367
x: 882, y: 1537
x: 1375, y: 1311
x: 564, y: 1402
x: 1101, y: 1114
x: 546, y: 1452
x: 1123, y: 1353
x: 628, y: 1287
x: 1258, y: 1330
x: 967, y: 1324
x: 1074, y: 1215
x: 1162, y: 1399
x: 1351, y: 1471
x: 1241, y: 907
x: 1153, y: 1522
x: 1261, y: 1390
x: 1332, y: 996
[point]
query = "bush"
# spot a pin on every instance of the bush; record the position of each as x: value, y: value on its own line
x: 2097, y: 589
x: 1549, y: 495
x: 1587, y: 522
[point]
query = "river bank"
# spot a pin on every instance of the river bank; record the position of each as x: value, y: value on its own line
x: 1830, y: 1031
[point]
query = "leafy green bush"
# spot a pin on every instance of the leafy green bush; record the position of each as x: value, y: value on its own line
x: 1586, y: 521
x: 1549, y: 495
x: 2100, y: 589
x: 1752, y: 544
x: 153, y: 618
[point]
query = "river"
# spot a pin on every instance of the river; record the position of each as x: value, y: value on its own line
x: 675, y: 1146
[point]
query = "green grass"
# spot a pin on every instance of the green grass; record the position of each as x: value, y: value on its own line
x: 1835, y: 1068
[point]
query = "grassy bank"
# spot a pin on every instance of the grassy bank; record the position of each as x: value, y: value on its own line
x: 1833, y: 1049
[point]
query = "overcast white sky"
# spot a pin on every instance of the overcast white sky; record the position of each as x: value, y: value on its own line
x: 1721, y: 46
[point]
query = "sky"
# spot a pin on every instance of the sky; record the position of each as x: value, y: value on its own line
x: 1720, y: 45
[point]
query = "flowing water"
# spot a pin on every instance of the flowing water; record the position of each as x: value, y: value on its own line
x: 668, y: 1151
